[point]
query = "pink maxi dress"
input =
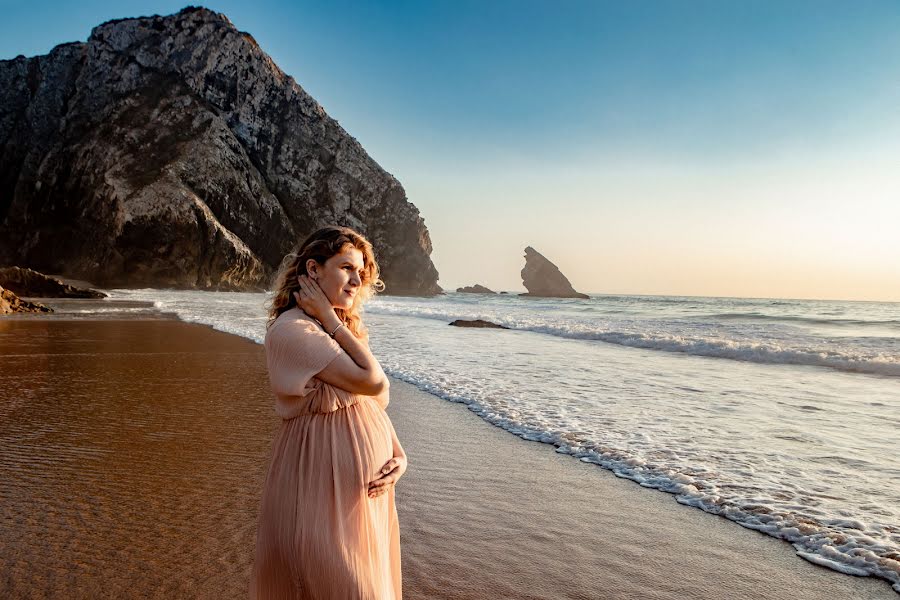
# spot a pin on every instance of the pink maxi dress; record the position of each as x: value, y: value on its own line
x: 319, y: 534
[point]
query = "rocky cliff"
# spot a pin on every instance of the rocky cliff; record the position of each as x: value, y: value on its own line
x: 26, y: 282
x: 11, y: 303
x: 172, y: 151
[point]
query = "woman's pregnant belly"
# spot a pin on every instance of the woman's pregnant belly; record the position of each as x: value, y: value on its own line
x: 340, y: 451
x: 362, y: 444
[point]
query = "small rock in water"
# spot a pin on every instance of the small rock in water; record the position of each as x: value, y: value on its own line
x: 475, y: 289
x: 477, y: 323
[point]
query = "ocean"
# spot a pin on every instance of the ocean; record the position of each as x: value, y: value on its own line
x: 780, y: 415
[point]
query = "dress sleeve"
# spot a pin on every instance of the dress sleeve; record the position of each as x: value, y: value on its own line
x: 295, y: 352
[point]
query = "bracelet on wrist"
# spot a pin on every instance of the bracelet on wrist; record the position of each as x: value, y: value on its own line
x: 335, y: 330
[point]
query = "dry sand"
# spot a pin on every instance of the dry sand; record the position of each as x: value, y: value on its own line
x: 132, y: 453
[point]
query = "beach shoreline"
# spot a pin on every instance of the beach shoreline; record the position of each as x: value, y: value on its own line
x: 483, y: 514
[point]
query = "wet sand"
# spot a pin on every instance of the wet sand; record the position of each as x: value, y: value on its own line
x: 132, y: 454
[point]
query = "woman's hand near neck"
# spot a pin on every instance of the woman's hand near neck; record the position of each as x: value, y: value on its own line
x: 338, y: 373
x: 313, y: 301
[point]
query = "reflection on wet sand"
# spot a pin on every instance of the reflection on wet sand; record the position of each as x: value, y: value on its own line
x: 144, y: 488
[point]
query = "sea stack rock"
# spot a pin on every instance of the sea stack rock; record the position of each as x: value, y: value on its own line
x: 475, y: 289
x: 173, y: 152
x: 542, y: 278
x: 26, y: 282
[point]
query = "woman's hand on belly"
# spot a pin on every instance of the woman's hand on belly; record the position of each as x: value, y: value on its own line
x: 387, y: 476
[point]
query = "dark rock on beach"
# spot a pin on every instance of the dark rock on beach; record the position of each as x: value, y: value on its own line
x: 11, y: 303
x: 475, y: 289
x: 27, y: 282
x: 543, y: 279
x: 173, y: 152
x: 477, y: 323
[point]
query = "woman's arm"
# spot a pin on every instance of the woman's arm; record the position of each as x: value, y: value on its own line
x: 352, y: 345
x: 357, y: 370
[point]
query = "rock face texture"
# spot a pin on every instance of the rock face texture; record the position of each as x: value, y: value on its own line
x: 172, y: 151
x: 26, y: 282
x: 475, y: 289
x: 542, y: 278
x: 10, y: 303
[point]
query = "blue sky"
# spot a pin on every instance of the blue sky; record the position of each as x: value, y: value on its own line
x: 721, y: 148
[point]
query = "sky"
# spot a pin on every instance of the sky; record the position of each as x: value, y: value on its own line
x: 720, y: 148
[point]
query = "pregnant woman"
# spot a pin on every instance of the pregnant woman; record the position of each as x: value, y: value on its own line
x: 327, y: 522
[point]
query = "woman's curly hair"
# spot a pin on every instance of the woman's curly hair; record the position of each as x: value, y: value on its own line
x: 322, y: 245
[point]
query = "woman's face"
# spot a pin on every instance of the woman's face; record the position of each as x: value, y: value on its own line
x: 340, y: 277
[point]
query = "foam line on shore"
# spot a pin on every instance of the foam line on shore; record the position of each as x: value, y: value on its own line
x: 817, y: 542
